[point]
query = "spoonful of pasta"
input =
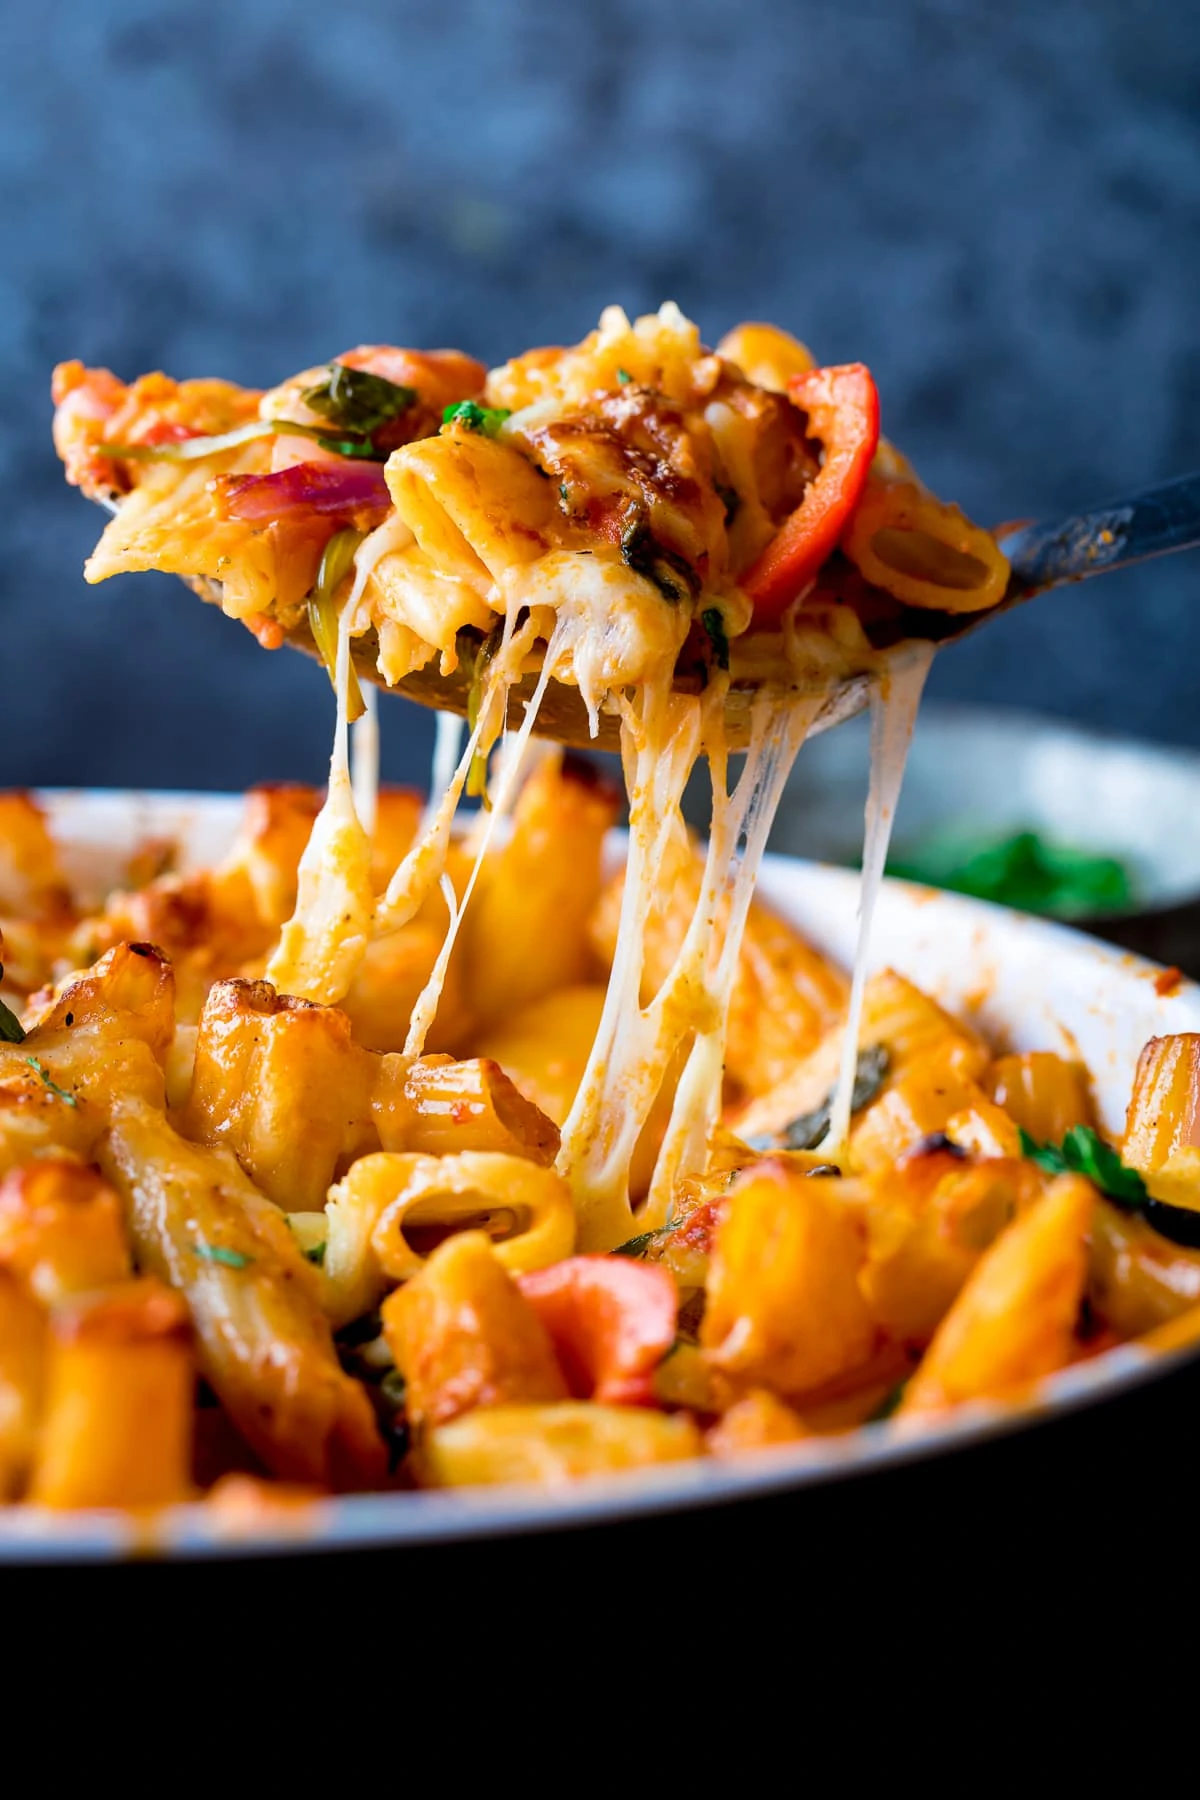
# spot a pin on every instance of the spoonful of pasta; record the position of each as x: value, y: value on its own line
x: 571, y: 527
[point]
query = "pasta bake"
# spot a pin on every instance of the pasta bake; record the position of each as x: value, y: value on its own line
x: 384, y: 1153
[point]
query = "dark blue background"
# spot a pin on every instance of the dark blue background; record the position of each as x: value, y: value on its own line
x: 996, y: 207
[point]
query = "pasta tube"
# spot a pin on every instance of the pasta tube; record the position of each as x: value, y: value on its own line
x: 1042, y: 1093
x: 439, y: 1107
x: 389, y: 1208
x: 928, y: 1223
x: 1137, y: 1279
x: 118, y: 1423
x: 31, y: 881
x: 1164, y: 1108
x: 264, y: 1061
x: 1014, y: 1321
x: 753, y: 1423
x: 199, y: 1224
x: 526, y: 932
x: 923, y: 552
x: 551, y: 1445
x: 463, y: 1336
x: 784, y: 1306
x: 22, y: 1381
x: 61, y: 1230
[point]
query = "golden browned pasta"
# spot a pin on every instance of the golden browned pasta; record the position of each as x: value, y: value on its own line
x: 756, y: 1421
x: 367, y: 1077
x: 463, y: 1337
x: 61, y: 1230
x: 389, y: 1205
x: 31, y: 881
x: 928, y: 1223
x: 1138, y: 1280
x: 440, y: 1107
x: 199, y: 1224
x: 118, y: 1422
x: 264, y: 1061
x: 923, y: 552
x: 1014, y: 1320
x: 552, y: 1444
x: 1164, y: 1108
x: 784, y: 1305
x: 23, y: 1347
x: 1042, y: 1093
x: 526, y: 933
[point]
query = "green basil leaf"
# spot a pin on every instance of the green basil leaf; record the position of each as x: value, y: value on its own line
x: 358, y: 401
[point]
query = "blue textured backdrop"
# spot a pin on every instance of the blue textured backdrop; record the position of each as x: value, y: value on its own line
x: 996, y: 207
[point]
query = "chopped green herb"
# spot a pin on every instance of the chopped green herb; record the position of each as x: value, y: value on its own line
x: 393, y: 1388
x: 730, y: 499
x: 66, y: 1098
x: 713, y: 621
x: 671, y: 574
x: 473, y: 417
x: 624, y: 377
x: 564, y: 494
x: 315, y: 1254
x: 889, y: 1405
x: 336, y: 564
x: 361, y: 1331
x: 1084, y: 1152
x: 11, y: 1029
x: 638, y: 1246
x: 1022, y: 871
x: 230, y: 1259
x: 356, y: 400
x: 806, y: 1132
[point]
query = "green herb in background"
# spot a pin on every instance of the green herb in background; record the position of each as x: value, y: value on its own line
x: 1022, y: 871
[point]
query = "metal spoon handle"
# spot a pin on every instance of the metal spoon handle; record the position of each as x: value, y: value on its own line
x: 1106, y: 537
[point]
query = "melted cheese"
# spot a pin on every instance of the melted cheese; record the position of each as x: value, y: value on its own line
x: 663, y: 734
x: 322, y: 946
x: 895, y: 698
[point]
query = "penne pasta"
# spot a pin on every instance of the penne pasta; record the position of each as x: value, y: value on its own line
x: 23, y: 1350
x: 264, y: 1060
x: 61, y: 1230
x: 552, y: 1444
x: 464, y: 1338
x: 390, y: 1209
x: 1013, y: 1321
x: 199, y: 1224
x: 526, y: 935
x: 117, y: 1428
x: 439, y: 1107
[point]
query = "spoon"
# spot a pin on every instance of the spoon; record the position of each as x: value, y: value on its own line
x: 1162, y: 519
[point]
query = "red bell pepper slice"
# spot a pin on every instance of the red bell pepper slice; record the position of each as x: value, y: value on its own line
x: 843, y: 412
x: 611, y: 1322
